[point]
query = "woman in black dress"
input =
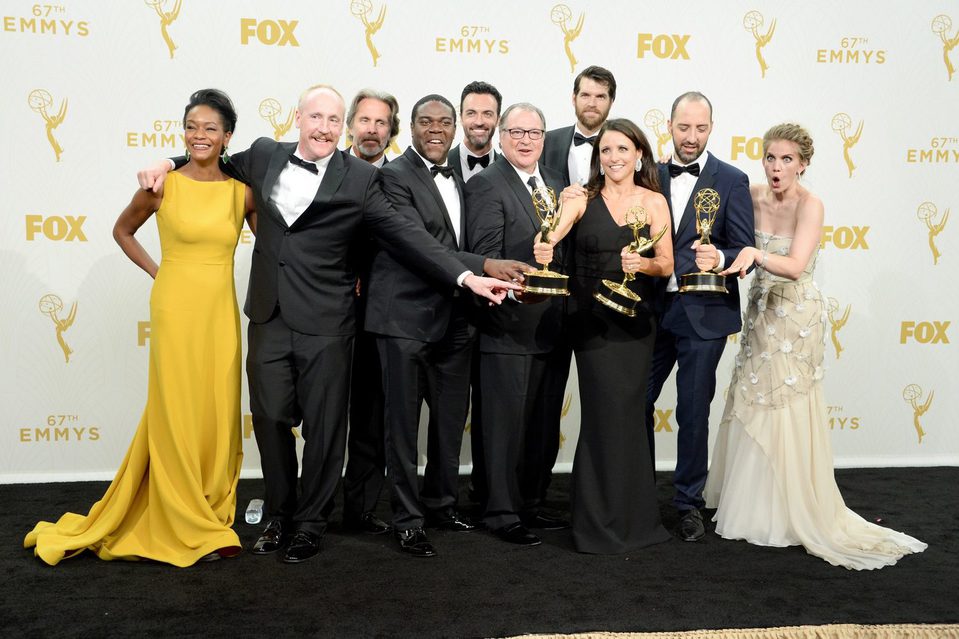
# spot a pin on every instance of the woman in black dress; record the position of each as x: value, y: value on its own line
x: 614, y: 505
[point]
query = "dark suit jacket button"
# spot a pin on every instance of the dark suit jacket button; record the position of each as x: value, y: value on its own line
x: 282, y: 263
x: 286, y: 232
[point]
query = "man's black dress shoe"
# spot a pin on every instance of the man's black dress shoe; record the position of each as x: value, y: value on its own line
x: 414, y: 542
x: 271, y: 539
x: 367, y: 523
x: 303, y: 546
x: 544, y: 522
x: 450, y: 520
x: 691, y: 527
x: 517, y: 533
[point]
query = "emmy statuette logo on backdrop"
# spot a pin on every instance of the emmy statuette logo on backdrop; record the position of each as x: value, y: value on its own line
x: 836, y: 322
x: 269, y: 109
x: 166, y: 19
x: 41, y: 101
x: 362, y: 9
x: 928, y: 213
x: 752, y: 22
x: 941, y: 25
x: 51, y: 305
x: 562, y: 16
x: 841, y: 123
x: 656, y: 120
x: 913, y: 395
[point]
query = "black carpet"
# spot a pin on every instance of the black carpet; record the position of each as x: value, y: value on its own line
x: 478, y: 586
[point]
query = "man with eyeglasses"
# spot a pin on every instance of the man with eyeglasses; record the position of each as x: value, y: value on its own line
x: 515, y: 340
x: 568, y: 150
x: 424, y: 332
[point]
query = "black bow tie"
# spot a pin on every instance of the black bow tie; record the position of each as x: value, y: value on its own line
x: 579, y: 138
x: 473, y: 160
x: 446, y: 170
x: 675, y: 170
x: 300, y: 162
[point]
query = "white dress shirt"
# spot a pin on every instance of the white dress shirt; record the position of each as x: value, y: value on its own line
x: 464, y: 164
x: 296, y: 187
x: 579, y: 157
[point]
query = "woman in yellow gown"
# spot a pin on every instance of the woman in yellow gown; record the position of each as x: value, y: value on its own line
x: 174, y: 497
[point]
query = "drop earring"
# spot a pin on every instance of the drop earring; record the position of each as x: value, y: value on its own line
x: 224, y: 157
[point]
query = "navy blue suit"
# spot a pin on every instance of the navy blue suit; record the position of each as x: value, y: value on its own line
x: 693, y: 327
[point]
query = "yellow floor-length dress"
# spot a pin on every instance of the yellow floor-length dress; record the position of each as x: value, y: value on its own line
x: 174, y: 497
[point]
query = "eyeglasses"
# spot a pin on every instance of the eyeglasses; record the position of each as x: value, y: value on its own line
x: 534, y: 134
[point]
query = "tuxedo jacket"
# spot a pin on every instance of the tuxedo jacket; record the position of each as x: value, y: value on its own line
x: 502, y: 224
x: 309, y: 268
x: 711, y: 316
x: 556, y: 151
x: 454, y: 160
x: 407, y: 303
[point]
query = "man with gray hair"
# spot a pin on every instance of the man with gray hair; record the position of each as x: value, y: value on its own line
x: 372, y: 122
x: 516, y: 339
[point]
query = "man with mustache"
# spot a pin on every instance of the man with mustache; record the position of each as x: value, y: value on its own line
x: 313, y: 203
x: 372, y: 121
x: 568, y: 151
x: 424, y: 331
x: 692, y: 328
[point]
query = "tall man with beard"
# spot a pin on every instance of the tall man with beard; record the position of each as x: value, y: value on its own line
x: 372, y: 121
x: 480, y: 104
x: 692, y: 328
x: 424, y: 335
x: 568, y: 151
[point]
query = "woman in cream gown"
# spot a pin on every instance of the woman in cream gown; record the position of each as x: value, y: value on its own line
x: 173, y: 498
x: 772, y: 479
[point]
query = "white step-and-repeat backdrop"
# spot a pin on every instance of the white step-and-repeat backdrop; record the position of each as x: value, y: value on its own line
x: 95, y: 90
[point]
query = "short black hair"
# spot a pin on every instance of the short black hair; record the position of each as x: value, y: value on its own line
x: 597, y: 74
x: 216, y: 100
x: 432, y: 97
x: 483, y: 88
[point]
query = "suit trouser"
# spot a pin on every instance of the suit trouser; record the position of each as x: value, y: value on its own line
x: 478, y: 473
x: 366, y: 462
x: 296, y: 377
x: 438, y: 372
x: 539, y: 459
x: 513, y: 405
x: 698, y: 358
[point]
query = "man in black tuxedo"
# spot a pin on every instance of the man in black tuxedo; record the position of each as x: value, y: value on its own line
x: 692, y: 328
x: 312, y: 203
x: 372, y: 121
x: 567, y: 151
x: 516, y: 338
x: 424, y: 334
x: 480, y: 105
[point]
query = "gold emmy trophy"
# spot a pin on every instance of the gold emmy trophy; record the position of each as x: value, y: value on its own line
x: 545, y: 281
x: 706, y: 205
x: 616, y: 295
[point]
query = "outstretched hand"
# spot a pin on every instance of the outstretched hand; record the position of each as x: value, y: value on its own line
x: 489, y: 287
x: 508, y: 270
x: 152, y: 177
x: 743, y: 262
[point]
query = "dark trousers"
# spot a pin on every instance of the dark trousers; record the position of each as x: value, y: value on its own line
x: 540, y: 458
x: 478, y: 487
x: 366, y: 460
x: 296, y: 377
x: 697, y: 358
x: 513, y: 402
x: 438, y: 372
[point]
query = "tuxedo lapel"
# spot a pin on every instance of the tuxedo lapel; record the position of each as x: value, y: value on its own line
x: 278, y: 161
x: 707, y: 178
x: 332, y: 177
x: 519, y: 191
x: 421, y: 173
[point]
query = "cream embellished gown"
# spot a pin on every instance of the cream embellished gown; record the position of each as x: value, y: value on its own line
x: 771, y: 479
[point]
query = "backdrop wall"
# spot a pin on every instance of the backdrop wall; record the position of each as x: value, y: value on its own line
x: 96, y: 90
